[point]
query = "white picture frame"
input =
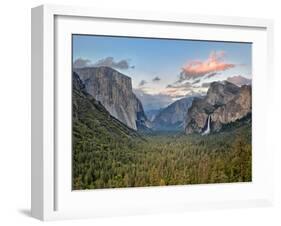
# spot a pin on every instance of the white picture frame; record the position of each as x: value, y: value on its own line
x: 49, y: 26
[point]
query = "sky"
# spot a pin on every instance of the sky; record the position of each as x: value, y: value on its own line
x: 165, y: 68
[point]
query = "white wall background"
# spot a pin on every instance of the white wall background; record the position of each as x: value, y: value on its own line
x: 15, y: 112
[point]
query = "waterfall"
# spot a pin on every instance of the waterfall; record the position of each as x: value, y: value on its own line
x: 208, y: 129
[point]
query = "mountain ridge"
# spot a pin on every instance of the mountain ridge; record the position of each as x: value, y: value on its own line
x: 91, y: 113
x: 224, y: 103
x: 173, y: 116
x: 114, y: 90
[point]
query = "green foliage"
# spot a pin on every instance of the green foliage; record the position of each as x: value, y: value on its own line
x: 100, y: 161
x: 108, y: 154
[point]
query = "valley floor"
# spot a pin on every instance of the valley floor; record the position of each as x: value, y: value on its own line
x: 166, y: 159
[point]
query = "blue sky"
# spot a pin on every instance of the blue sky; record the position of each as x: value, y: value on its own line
x: 175, y: 63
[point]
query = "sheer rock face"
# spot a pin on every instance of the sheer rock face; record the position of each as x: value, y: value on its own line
x: 220, y: 93
x: 224, y: 102
x: 114, y: 91
x: 173, y: 116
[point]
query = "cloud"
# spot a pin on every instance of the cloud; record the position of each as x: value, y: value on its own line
x: 178, y: 90
x: 107, y: 62
x: 152, y: 101
x: 196, y: 81
x: 185, y: 85
x: 209, y: 67
x: 212, y: 74
x: 110, y: 62
x: 142, y: 83
x: 183, y: 89
x: 156, y: 79
x: 81, y: 62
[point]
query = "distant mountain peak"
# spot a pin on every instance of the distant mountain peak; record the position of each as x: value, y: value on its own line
x: 173, y: 116
x: 239, y: 80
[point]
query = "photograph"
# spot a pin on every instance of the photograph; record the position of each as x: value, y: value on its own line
x: 150, y: 111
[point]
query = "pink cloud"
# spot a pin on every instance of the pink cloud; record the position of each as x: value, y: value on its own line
x: 215, y: 63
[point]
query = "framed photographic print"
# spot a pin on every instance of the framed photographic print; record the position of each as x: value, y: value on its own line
x: 137, y: 112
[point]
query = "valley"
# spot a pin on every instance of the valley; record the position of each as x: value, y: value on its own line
x: 194, y: 140
x: 166, y: 158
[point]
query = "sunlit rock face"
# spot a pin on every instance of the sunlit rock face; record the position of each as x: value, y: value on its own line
x: 224, y: 103
x: 114, y: 91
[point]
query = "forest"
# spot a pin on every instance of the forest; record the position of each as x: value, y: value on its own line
x: 163, y: 159
x: 108, y: 154
x: 160, y: 111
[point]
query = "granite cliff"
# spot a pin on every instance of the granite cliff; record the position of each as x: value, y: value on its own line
x: 173, y: 116
x: 90, y: 118
x: 114, y: 91
x: 224, y: 103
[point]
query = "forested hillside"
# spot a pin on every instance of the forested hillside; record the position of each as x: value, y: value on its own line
x: 109, y: 154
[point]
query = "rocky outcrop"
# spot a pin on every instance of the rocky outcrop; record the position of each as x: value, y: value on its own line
x: 173, y: 116
x: 239, y: 80
x: 114, y: 91
x: 224, y: 103
x: 220, y: 93
x: 90, y: 120
x: 151, y: 114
